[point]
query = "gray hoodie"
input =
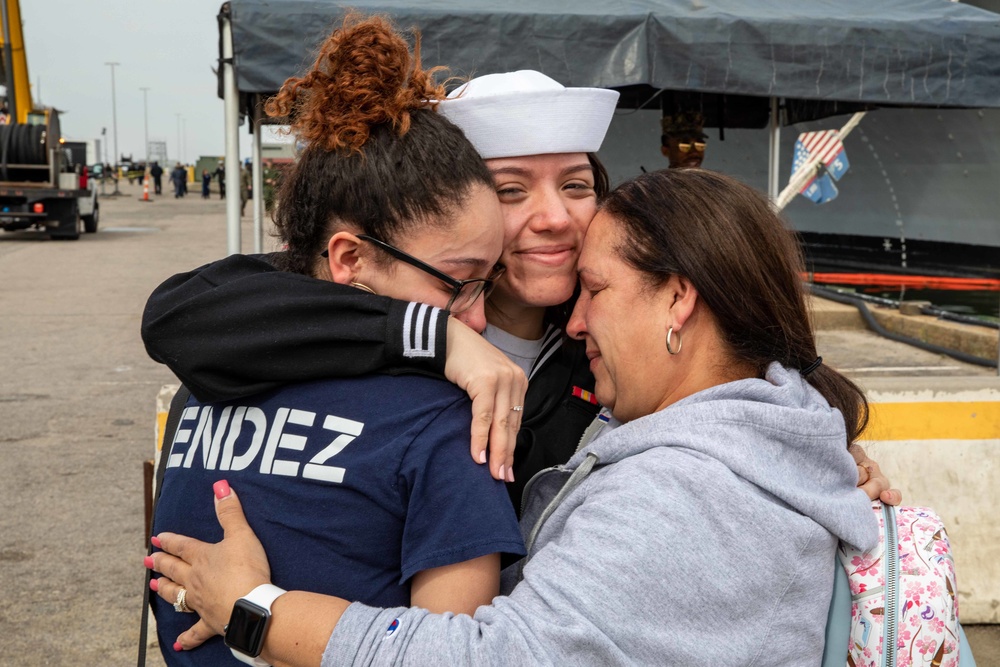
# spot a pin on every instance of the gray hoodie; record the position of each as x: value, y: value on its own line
x: 701, y: 534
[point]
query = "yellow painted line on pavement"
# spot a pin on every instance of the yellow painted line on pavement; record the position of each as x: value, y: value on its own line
x: 934, y: 420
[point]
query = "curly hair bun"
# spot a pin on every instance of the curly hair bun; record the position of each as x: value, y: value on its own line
x: 364, y: 75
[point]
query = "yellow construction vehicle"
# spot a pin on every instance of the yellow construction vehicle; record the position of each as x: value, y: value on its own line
x: 15, y: 64
x: 43, y: 184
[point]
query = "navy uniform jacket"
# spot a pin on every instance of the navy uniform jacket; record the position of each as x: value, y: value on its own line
x: 240, y: 326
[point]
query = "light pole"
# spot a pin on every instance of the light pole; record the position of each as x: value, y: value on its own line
x: 145, y: 118
x: 104, y: 170
x: 179, y: 159
x: 114, y: 119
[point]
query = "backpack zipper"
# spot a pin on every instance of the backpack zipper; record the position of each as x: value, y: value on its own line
x: 891, y: 585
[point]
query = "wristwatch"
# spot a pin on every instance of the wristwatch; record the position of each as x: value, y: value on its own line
x: 248, y: 624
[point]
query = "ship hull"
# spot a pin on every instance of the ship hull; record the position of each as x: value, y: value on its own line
x: 922, y: 192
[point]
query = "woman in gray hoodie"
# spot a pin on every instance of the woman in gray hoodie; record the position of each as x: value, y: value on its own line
x: 701, y: 529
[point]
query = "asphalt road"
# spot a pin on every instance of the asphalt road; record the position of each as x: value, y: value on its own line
x: 77, y: 414
x: 77, y: 409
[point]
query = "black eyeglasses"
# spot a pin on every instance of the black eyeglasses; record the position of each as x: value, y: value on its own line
x: 463, y: 292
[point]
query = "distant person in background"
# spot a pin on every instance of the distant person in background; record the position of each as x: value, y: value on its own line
x: 178, y: 177
x: 206, y: 182
x: 271, y: 177
x: 220, y: 173
x: 246, y: 185
x: 156, y: 171
x: 683, y: 139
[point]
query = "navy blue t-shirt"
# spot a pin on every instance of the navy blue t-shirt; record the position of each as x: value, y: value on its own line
x: 352, y: 485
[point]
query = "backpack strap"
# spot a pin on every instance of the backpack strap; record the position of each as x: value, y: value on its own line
x: 173, y: 420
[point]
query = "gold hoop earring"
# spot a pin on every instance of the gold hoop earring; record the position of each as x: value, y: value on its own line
x: 363, y: 287
x: 670, y: 332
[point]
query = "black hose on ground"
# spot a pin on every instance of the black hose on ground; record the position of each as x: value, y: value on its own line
x: 942, y: 314
x: 932, y: 311
x: 873, y: 324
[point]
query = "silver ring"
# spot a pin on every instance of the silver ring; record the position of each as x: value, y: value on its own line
x: 180, y: 604
x: 517, y: 408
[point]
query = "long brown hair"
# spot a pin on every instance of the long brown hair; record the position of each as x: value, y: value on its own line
x: 746, y: 265
x: 377, y: 155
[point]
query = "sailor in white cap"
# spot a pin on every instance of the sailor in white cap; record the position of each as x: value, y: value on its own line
x: 539, y: 138
x: 527, y: 113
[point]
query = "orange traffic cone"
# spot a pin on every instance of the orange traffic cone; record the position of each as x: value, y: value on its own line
x: 145, y: 189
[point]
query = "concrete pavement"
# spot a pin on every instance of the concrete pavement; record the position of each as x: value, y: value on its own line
x: 76, y: 421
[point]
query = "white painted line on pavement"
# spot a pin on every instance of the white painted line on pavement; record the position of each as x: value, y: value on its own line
x: 896, y: 369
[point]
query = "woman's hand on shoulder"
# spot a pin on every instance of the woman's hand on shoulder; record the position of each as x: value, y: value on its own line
x: 496, y: 386
x: 872, y: 480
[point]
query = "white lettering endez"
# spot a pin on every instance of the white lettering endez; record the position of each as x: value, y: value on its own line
x: 272, y: 443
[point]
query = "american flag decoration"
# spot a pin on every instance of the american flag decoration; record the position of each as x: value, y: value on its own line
x: 833, y: 163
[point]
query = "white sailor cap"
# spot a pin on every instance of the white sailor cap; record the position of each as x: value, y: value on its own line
x: 528, y: 113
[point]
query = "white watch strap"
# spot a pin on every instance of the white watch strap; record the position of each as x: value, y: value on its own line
x: 263, y: 596
x: 243, y: 657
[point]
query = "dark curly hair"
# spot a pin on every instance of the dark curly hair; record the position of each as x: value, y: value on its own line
x: 377, y: 156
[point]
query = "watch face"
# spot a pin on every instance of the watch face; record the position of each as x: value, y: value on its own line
x: 245, y: 632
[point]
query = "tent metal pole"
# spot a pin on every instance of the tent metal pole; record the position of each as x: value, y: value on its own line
x: 258, y: 181
x: 232, y: 117
x: 774, y: 152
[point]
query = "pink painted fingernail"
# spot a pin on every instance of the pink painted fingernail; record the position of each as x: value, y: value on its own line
x: 503, y: 474
x: 178, y: 647
x: 482, y: 456
x: 154, y: 585
x: 221, y: 489
x: 156, y: 541
x: 148, y: 562
x: 510, y: 475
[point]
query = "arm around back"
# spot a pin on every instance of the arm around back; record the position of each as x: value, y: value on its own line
x: 643, y: 564
x: 239, y: 326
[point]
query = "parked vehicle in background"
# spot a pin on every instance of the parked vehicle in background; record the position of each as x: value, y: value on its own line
x: 44, y: 181
x: 88, y: 204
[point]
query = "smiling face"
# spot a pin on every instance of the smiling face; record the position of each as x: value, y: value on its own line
x: 623, y: 320
x: 467, y: 246
x: 547, y: 202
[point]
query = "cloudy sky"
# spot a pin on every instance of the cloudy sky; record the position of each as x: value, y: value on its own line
x: 169, y: 46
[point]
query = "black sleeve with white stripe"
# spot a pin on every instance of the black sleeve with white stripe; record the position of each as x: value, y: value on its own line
x: 421, y: 332
x: 239, y: 326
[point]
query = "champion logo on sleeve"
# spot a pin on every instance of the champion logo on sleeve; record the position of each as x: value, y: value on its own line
x: 392, y: 628
x: 585, y: 395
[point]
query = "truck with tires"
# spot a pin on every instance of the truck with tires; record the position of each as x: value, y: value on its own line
x: 44, y: 185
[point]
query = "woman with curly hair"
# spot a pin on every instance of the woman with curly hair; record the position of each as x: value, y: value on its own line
x: 362, y: 487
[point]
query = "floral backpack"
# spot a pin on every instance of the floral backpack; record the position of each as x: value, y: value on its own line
x: 904, y: 609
